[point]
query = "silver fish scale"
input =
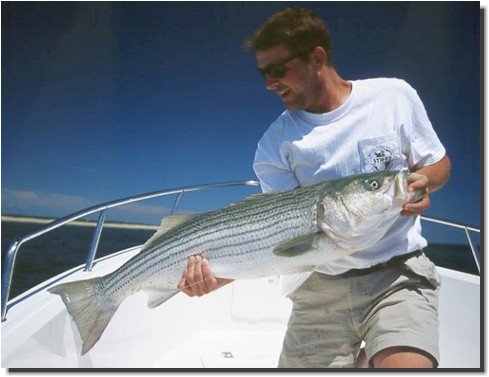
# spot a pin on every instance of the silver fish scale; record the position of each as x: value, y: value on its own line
x: 241, y: 233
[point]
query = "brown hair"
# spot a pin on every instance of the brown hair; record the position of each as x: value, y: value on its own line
x: 297, y: 29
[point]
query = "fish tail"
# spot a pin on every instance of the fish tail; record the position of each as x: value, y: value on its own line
x: 89, y: 306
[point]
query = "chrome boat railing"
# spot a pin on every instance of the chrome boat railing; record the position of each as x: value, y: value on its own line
x: 467, y: 230
x: 102, y: 208
x: 14, y: 247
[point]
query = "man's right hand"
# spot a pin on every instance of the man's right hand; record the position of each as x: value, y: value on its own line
x: 197, y: 278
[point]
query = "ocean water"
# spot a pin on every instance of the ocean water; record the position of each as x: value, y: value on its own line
x: 60, y: 249
x: 67, y: 247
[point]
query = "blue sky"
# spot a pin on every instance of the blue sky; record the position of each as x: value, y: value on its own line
x: 106, y: 100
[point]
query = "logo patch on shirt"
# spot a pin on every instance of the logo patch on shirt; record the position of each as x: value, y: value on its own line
x: 381, y: 157
x: 380, y: 153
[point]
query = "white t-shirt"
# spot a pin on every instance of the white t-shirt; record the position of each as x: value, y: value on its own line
x: 382, y: 125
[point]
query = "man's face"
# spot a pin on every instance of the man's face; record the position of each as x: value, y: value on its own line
x: 300, y: 87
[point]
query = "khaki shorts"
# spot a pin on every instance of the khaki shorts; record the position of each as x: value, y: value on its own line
x: 332, y: 315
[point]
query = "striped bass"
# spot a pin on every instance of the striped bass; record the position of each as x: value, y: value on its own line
x: 264, y: 235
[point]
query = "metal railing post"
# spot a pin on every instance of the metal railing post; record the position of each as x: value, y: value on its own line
x: 95, y: 240
x: 7, y: 275
x: 472, y: 249
x: 177, y: 202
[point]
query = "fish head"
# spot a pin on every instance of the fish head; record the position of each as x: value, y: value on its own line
x: 357, y: 211
x: 392, y: 187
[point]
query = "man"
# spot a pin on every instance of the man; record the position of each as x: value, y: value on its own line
x: 387, y: 295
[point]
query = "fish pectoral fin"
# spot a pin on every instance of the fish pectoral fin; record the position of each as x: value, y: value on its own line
x: 298, y: 245
x: 157, y: 297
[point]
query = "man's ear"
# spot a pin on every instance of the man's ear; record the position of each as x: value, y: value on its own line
x: 319, y: 57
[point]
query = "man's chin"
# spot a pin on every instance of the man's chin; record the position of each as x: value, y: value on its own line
x: 292, y: 106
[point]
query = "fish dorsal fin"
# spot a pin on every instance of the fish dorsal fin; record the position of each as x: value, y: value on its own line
x: 167, y: 224
x: 170, y: 222
x: 253, y: 197
x: 298, y: 245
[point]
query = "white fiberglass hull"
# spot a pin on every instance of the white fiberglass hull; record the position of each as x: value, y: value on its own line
x: 239, y: 326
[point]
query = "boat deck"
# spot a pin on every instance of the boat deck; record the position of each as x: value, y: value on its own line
x: 239, y: 326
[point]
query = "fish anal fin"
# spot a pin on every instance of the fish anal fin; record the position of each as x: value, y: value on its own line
x: 156, y: 297
x: 298, y: 245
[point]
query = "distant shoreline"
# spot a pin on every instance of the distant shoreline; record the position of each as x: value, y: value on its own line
x: 44, y: 220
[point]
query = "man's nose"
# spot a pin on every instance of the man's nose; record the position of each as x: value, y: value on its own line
x: 270, y: 82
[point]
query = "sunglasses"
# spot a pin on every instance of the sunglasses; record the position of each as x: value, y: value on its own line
x: 278, y: 70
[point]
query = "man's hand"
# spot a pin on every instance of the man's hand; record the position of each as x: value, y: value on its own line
x: 431, y: 178
x: 197, y: 278
x: 416, y: 182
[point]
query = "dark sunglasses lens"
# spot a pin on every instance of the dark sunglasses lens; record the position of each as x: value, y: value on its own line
x: 275, y: 71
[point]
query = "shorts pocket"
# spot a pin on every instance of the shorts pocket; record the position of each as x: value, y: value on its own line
x: 424, y: 268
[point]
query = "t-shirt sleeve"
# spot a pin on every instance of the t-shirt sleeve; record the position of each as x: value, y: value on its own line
x: 425, y: 146
x: 271, y: 165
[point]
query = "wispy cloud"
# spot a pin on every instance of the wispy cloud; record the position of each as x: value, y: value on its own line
x: 30, y: 202
x: 57, y: 205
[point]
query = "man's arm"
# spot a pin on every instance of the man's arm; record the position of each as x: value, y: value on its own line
x: 431, y: 178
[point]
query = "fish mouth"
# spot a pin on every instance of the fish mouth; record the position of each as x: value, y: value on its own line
x: 402, y: 195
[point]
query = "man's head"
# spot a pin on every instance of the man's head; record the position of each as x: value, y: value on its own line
x: 298, y: 30
x: 293, y: 53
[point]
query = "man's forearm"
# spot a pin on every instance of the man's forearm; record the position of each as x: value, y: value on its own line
x: 438, y: 173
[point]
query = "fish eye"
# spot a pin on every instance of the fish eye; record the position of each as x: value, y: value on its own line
x: 373, y: 184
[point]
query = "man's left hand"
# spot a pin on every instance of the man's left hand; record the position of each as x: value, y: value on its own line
x: 416, y: 182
